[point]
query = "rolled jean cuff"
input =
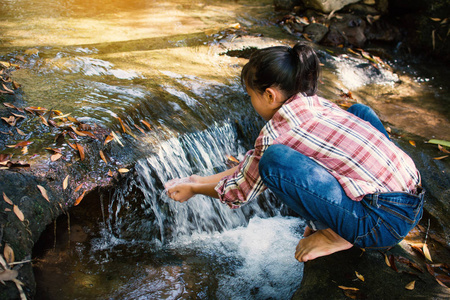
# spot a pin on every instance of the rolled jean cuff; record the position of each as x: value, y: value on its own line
x: 316, y: 225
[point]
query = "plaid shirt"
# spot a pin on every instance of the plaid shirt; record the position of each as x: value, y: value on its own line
x: 360, y: 157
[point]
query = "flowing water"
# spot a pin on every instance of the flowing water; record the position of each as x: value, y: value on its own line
x: 165, y: 62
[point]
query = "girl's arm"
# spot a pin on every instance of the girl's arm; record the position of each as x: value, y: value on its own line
x: 183, y: 189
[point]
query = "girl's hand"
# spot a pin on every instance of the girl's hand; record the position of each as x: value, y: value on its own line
x: 181, y: 192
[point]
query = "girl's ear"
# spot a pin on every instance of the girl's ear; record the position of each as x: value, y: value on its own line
x: 274, y: 95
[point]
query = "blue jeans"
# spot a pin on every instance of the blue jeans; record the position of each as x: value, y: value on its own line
x: 378, y: 221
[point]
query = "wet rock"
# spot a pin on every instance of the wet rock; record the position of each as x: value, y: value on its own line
x: 348, y: 30
x: 383, y: 30
x: 327, y: 6
x: 316, y: 31
x: 286, y: 4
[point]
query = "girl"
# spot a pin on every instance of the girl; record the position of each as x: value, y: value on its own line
x: 337, y: 169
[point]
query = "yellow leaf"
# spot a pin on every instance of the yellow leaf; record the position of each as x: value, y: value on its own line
x: 66, y: 182
x: 18, y: 213
x: 348, y: 288
x: 78, y: 188
x: 426, y: 252
x: 360, y: 277
x: 436, y: 19
x: 123, y: 170
x: 43, y: 192
x: 25, y: 150
x: 410, y: 286
x: 8, y: 253
x: 80, y: 150
x: 386, y: 260
x: 440, y: 157
x: 412, y: 143
x: 7, y: 200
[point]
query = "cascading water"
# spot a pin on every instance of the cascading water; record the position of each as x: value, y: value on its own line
x: 239, y: 254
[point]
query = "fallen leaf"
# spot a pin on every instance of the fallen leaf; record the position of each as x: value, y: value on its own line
x: 79, y: 199
x: 123, y: 170
x: 147, y: 124
x: 43, y: 192
x: 442, y: 149
x: 412, y: 143
x: 408, y: 262
x: 116, y: 137
x: 25, y: 150
x: 348, y: 288
x: 20, y: 144
x: 392, y: 262
x: 8, y: 253
x: 20, y: 132
x: 78, y: 188
x: 121, y: 124
x: 108, y: 139
x: 8, y: 275
x: 18, y: 213
x: 139, y: 128
x: 11, y: 120
x: 102, y: 155
x: 80, y: 133
x: 66, y: 182
x: 16, y: 85
x: 410, y: 286
x: 232, y: 158
x: 110, y: 173
x: 9, y: 91
x: 440, y: 157
x: 80, y: 150
x: 7, y: 200
x: 426, y: 252
x: 386, y: 260
x: 436, y: 19
x: 360, y: 277
x: 44, y: 120
x: 443, y: 278
x: 55, y: 156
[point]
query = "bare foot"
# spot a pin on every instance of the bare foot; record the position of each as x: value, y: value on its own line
x: 308, y: 231
x: 321, y: 243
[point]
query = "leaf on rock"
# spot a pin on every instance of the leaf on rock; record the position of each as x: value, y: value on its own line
x: 426, y: 252
x: 55, y: 156
x: 78, y: 188
x: 410, y: 286
x: 110, y: 173
x: 139, y: 128
x: 442, y: 149
x: 66, y: 182
x: 102, y: 155
x: 79, y: 199
x: 147, y: 124
x: 20, y: 132
x: 440, y: 157
x: 43, y: 192
x: 80, y: 150
x: 18, y: 213
x: 9, y: 91
x: 7, y: 200
x: 108, y: 139
x: 360, y: 277
x: 8, y: 253
x: 123, y: 170
x: 25, y: 150
x: 386, y: 260
x: 11, y: 120
x: 413, y: 143
x: 80, y: 133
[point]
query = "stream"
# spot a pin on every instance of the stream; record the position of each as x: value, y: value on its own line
x: 169, y: 63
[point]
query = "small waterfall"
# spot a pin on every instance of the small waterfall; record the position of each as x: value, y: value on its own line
x: 142, y: 210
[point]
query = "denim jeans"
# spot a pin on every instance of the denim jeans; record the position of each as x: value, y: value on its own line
x: 378, y: 221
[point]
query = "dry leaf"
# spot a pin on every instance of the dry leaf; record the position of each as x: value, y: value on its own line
x: 410, y: 286
x: 18, y: 213
x: 8, y: 253
x: 80, y: 150
x: 80, y: 133
x: 110, y: 173
x: 386, y: 260
x: 20, y: 131
x: 426, y: 252
x: 78, y: 188
x: 121, y: 124
x: 43, y: 192
x: 440, y: 157
x: 25, y: 150
x: 443, y: 149
x: 360, y: 277
x: 7, y: 200
x: 11, y: 120
x: 139, y: 128
x: 102, y: 155
x: 412, y: 143
x: 66, y: 182
x: 9, y: 91
x: 116, y: 137
x: 79, y: 199
x: 7, y: 275
x: 232, y: 158
x: 123, y: 170
x: 108, y: 139
x: 348, y: 288
x: 147, y: 124
x: 55, y: 156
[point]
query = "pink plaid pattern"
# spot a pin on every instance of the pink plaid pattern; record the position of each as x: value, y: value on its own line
x: 360, y: 157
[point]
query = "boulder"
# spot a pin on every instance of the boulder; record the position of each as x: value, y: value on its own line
x: 316, y: 31
x: 348, y: 30
x: 327, y: 6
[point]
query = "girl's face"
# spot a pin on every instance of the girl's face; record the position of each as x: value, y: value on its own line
x: 267, y: 103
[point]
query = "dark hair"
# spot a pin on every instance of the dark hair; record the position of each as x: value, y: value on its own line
x: 292, y: 70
